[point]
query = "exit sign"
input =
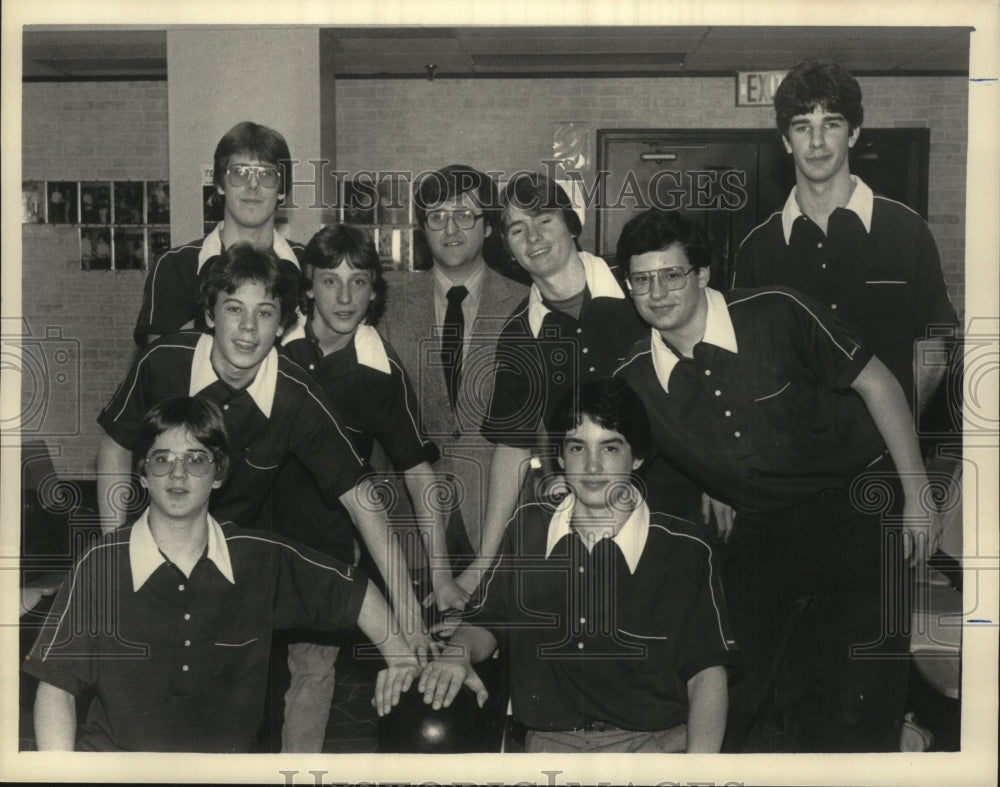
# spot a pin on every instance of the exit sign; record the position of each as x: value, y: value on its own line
x: 756, y: 88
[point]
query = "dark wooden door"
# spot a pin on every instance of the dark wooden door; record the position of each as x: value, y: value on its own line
x: 731, y: 180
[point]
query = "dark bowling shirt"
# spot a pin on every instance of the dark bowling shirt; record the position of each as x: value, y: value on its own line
x: 611, y: 635
x: 370, y: 392
x: 180, y: 663
x: 373, y: 399
x: 763, y: 415
x: 542, y: 354
x: 281, y: 414
x: 171, y: 294
x: 877, y: 267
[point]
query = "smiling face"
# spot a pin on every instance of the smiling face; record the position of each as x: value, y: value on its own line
x: 819, y: 143
x: 250, y: 206
x: 246, y: 322
x: 340, y: 301
x: 597, y: 463
x: 179, y: 495
x: 669, y: 311
x: 542, y: 244
x: 458, y: 250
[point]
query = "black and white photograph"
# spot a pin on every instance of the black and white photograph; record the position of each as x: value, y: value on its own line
x: 128, y: 202
x: 95, y: 249
x: 158, y: 202
x: 211, y: 207
x: 130, y: 249
x: 95, y: 203
x: 576, y: 394
x: 62, y: 197
x: 32, y: 202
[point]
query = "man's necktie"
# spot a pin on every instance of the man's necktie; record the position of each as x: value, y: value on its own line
x: 451, y: 341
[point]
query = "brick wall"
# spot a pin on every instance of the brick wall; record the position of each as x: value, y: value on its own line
x: 118, y: 130
x: 85, y: 131
x: 506, y: 124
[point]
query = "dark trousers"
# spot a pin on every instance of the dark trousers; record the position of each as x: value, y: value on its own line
x: 817, y: 596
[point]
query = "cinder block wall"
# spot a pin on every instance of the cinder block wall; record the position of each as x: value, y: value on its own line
x: 118, y: 130
x: 85, y: 131
x: 507, y: 124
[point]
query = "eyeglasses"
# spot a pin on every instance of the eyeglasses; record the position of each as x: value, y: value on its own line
x: 196, y: 463
x: 239, y: 175
x: 669, y: 278
x: 464, y: 219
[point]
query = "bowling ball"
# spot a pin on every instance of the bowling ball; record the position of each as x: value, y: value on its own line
x: 414, y: 727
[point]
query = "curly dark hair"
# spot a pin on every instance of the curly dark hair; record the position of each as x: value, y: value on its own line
x: 242, y: 263
x: 818, y: 83
x: 610, y: 403
x: 656, y: 230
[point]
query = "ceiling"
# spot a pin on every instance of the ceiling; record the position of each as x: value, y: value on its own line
x: 448, y: 52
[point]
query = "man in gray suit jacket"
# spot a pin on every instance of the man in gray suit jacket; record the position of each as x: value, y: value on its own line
x: 443, y: 323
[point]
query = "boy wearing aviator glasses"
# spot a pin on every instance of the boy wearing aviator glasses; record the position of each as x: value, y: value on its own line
x: 169, y: 620
x: 251, y: 178
x: 766, y: 401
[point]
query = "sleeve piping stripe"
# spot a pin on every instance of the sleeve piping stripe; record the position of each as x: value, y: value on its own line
x: 765, y: 221
x: 156, y: 270
x: 333, y: 420
x: 293, y: 550
x: 72, y: 588
x: 849, y: 353
x: 630, y: 361
x: 901, y: 204
x: 711, y: 576
x: 138, y: 366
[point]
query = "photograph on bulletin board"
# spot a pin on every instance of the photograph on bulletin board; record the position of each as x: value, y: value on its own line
x: 159, y: 244
x: 95, y: 203
x: 130, y: 249
x: 394, y: 200
x: 32, y: 202
x: 360, y: 201
x: 62, y: 202
x: 213, y: 208
x: 95, y: 249
x: 128, y: 202
x: 157, y: 202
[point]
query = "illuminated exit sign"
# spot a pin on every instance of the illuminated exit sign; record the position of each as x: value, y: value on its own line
x: 756, y: 88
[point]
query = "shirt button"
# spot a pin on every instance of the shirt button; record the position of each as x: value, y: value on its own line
x: 833, y: 306
x: 580, y: 569
x: 579, y: 330
x: 718, y: 393
x: 819, y: 245
x: 708, y: 372
x: 180, y: 587
x: 728, y: 413
x: 187, y: 616
x: 583, y: 620
x: 187, y: 643
x: 185, y: 668
x: 456, y: 434
x: 225, y: 407
x: 586, y: 350
x: 312, y: 366
x: 823, y: 266
x: 736, y: 434
x: 579, y: 646
x: 593, y: 369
